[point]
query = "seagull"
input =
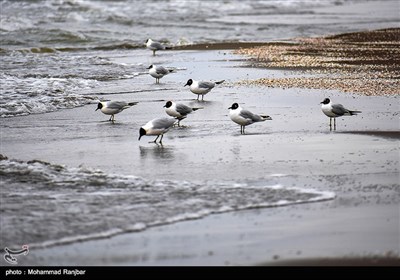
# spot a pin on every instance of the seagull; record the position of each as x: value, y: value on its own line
x: 178, y: 110
x: 157, y: 127
x: 155, y: 46
x: 201, y: 87
x: 334, y: 111
x: 114, y: 107
x: 244, y: 117
x: 158, y: 72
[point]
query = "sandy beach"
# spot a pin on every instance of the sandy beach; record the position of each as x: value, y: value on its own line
x: 359, y: 163
x: 359, y: 62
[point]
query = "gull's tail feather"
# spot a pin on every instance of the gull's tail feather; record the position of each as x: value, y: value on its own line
x: 265, y: 118
x: 132, y: 103
x: 220, y: 82
x: 354, y: 112
x: 198, y: 108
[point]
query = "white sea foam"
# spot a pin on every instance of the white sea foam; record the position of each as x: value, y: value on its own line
x: 95, y: 204
x: 24, y: 96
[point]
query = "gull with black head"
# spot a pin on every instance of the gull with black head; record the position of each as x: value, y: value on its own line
x: 335, y: 110
x: 179, y: 110
x: 244, y: 117
x: 158, y: 72
x: 157, y: 127
x: 114, y: 107
x: 201, y: 87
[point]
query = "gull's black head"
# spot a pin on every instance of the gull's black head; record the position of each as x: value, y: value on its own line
x: 168, y: 104
x: 151, y: 66
x: 99, y: 106
x: 141, y: 132
x: 234, y: 106
x: 189, y: 82
x: 326, y: 101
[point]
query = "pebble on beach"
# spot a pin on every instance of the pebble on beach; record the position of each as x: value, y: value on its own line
x: 365, y: 63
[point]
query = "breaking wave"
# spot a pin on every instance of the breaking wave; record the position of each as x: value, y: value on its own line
x: 45, y: 204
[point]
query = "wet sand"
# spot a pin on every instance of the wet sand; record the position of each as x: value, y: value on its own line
x: 359, y: 162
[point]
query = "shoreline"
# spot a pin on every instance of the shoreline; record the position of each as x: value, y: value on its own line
x: 233, y: 45
x: 280, y: 236
x: 364, y: 62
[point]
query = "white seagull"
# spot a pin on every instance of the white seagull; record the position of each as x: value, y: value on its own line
x: 155, y: 46
x: 244, y: 117
x: 157, y: 127
x: 178, y: 110
x: 201, y: 87
x: 114, y: 107
x: 335, y: 110
x: 158, y: 72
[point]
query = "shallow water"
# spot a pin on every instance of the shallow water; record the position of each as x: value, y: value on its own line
x: 56, y: 54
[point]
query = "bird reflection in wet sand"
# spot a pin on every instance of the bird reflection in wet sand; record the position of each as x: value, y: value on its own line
x: 156, y: 152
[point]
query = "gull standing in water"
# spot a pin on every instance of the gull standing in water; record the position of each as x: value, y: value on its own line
x: 155, y: 46
x: 335, y: 110
x: 201, y: 87
x: 244, y: 117
x: 158, y: 72
x: 179, y: 110
x: 157, y: 127
x: 114, y: 107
